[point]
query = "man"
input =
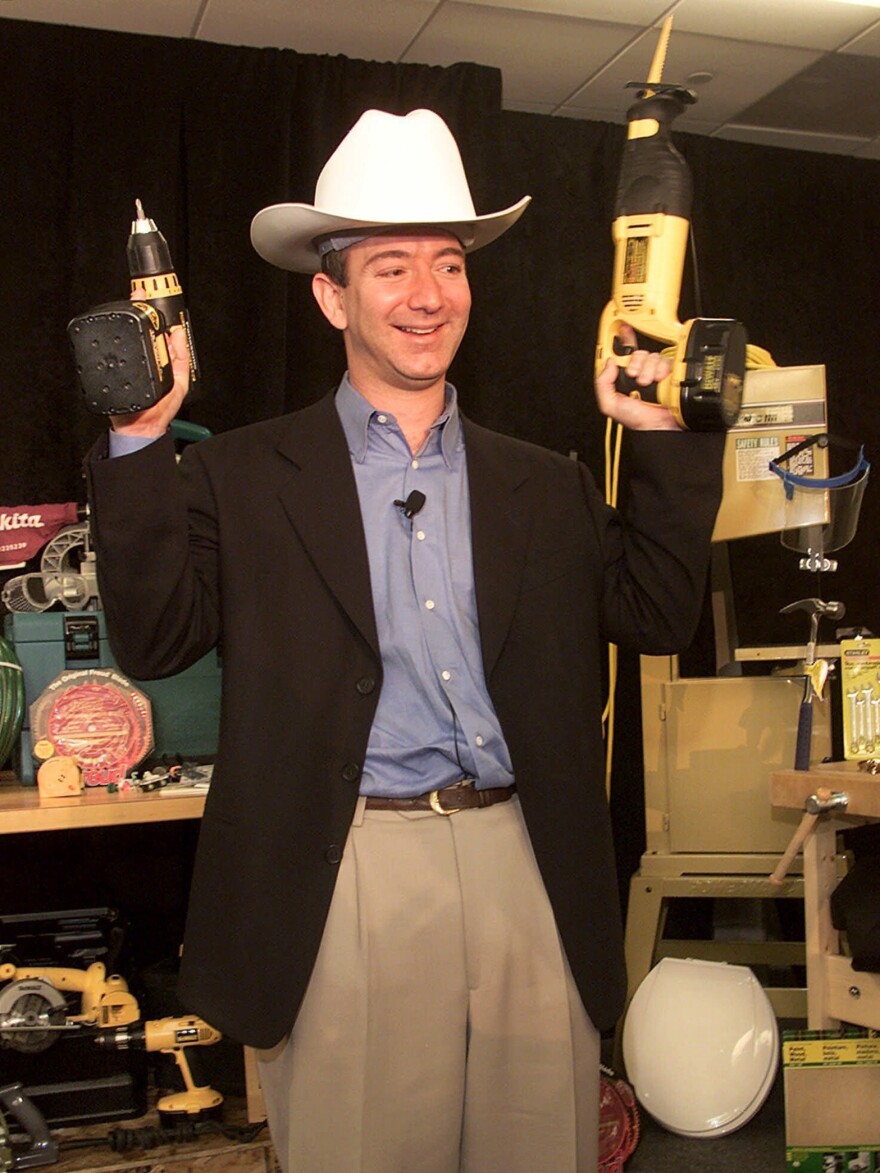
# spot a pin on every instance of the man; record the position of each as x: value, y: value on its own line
x: 404, y: 893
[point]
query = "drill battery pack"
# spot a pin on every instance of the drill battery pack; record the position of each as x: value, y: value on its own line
x: 121, y: 357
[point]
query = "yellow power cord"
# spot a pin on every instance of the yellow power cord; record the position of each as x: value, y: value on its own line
x: 756, y: 359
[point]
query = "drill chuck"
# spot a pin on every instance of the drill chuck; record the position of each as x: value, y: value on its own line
x: 147, y: 252
x: 151, y: 269
x: 132, y: 1037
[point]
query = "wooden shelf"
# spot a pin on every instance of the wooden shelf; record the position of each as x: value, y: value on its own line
x: 785, y: 652
x: 22, y: 809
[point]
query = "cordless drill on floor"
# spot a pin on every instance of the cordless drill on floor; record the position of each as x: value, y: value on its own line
x: 176, y: 1037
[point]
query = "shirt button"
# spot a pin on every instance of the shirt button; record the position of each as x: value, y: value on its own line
x: 366, y: 685
x: 383, y: 419
x: 446, y: 674
x: 429, y: 604
x: 351, y: 772
x: 333, y: 854
x: 420, y: 534
x: 478, y: 739
x: 415, y: 464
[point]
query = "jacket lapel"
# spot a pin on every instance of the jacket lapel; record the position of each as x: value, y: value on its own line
x: 500, y: 528
x: 321, y: 501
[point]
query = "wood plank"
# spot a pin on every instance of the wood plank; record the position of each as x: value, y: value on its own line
x: 791, y: 788
x: 22, y: 808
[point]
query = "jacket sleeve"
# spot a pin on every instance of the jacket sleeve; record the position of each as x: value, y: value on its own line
x: 657, y: 548
x: 156, y: 547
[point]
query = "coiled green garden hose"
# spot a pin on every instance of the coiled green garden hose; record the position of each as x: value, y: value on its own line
x: 11, y: 699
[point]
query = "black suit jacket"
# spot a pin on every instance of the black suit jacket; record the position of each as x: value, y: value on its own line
x: 258, y: 543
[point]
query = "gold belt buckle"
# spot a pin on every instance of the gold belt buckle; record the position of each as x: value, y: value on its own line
x: 434, y: 802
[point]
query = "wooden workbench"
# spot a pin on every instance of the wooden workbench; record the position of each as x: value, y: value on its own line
x: 835, y: 991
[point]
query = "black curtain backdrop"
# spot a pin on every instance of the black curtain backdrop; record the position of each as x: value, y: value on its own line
x: 205, y: 135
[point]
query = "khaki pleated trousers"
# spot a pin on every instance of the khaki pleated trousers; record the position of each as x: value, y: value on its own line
x: 441, y: 1030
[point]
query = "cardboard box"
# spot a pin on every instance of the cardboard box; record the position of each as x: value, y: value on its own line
x: 781, y: 406
x: 832, y: 1100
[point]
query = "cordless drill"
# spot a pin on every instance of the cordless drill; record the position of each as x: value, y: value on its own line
x: 121, y: 348
x: 172, y: 1036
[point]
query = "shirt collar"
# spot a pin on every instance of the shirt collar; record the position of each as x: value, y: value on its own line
x: 356, y: 415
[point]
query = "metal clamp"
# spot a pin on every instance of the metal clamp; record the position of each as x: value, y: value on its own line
x: 825, y: 801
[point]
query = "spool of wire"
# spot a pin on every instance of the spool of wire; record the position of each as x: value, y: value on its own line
x: 11, y: 699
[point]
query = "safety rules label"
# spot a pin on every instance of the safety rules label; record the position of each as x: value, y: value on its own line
x: 754, y: 453
x: 753, y: 456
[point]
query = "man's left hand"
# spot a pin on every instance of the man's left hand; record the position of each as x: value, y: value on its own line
x: 646, y: 367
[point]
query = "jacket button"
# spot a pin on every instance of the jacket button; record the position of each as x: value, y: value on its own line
x: 365, y: 685
x: 333, y: 854
x: 351, y: 772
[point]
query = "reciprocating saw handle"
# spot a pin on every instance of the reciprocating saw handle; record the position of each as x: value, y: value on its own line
x: 651, y: 229
x: 653, y: 174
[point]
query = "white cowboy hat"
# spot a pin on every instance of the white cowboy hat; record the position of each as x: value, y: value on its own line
x: 387, y: 171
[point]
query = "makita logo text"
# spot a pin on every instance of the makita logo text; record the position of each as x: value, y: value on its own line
x: 21, y: 521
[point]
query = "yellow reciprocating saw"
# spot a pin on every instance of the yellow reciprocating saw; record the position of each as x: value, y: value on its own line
x: 650, y: 231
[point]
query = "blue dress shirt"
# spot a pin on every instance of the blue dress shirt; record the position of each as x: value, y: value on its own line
x: 434, y: 722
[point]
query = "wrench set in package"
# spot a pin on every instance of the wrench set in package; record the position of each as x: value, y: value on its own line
x: 860, y: 690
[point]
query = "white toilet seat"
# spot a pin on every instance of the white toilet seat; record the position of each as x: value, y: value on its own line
x: 701, y: 1046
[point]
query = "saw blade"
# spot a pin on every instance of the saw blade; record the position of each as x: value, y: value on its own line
x: 97, y: 717
x: 31, y: 1013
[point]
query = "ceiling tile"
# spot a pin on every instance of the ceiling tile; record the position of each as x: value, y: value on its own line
x: 793, y: 140
x: 592, y: 114
x: 168, y: 18
x: 741, y: 74
x: 868, y: 44
x: 542, y: 58
x: 641, y: 12
x: 373, y: 30
x: 531, y: 107
x: 772, y: 72
x: 839, y: 94
x: 811, y: 24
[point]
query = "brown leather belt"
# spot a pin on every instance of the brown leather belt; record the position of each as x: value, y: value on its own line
x: 461, y: 796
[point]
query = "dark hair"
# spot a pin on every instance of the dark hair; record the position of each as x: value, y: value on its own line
x: 333, y: 264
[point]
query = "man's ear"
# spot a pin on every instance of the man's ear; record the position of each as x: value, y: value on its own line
x: 331, y: 298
